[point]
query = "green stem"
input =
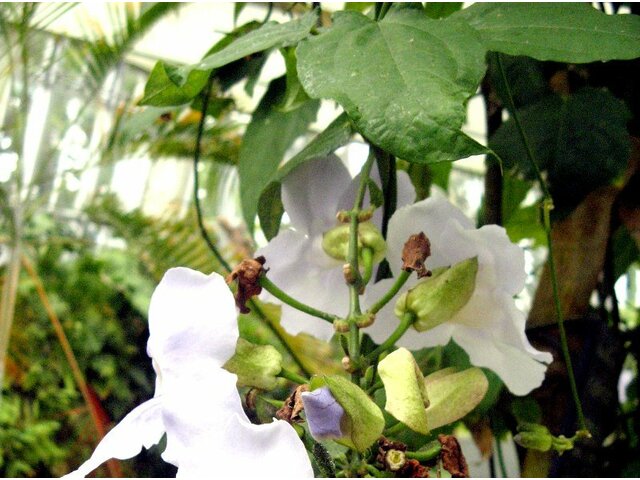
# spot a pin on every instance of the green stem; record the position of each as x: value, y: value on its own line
x: 293, y: 377
x: 395, y: 288
x: 406, y: 321
x: 277, y: 292
x: 394, y: 429
x: 429, y: 453
x: 503, y: 466
x: 374, y: 471
x: 352, y: 258
x: 196, y: 179
x: 547, y: 206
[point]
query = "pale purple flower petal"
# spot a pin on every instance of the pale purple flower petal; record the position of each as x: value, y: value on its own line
x: 323, y: 413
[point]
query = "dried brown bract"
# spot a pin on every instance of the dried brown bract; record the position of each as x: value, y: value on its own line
x: 453, y: 460
x: 416, y: 250
x: 293, y: 406
x: 248, y: 274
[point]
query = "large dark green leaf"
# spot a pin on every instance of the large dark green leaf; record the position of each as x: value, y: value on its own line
x: 581, y: 142
x: 266, y: 140
x: 562, y: 32
x: 403, y: 81
x: 177, y: 85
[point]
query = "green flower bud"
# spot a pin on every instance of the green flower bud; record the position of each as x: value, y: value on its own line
x: 438, y: 298
x: 561, y: 444
x: 534, y: 441
x: 534, y: 436
x: 335, y: 242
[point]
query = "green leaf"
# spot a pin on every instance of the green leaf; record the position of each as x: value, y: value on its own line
x: 270, y: 210
x: 174, y: 86
x: 452, y: 394
x: 335, y: 135
x: 265, y: 142
x: 255, y: 365
x: 438, y: 10
x: 403, y: 81
x: 438, y: 298
x: 405, y: 390
x: 581, y: 142
x: 294, y: 95
x: 268, y: 36
x: 363, y: 421
x: 561, y: 32
x: 169, y: 85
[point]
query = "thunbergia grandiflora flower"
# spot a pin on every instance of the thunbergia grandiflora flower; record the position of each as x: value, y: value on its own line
x: 312, y: 195
x: 489, y: 327
x: 193, y: 332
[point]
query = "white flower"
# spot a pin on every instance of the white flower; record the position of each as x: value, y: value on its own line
x: 490, y: 328
x: 193, y: 332
x: 312, y: 194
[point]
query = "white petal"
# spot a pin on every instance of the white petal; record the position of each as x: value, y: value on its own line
x: 493, y: 247
x: 191, y: 316
x: 142, y: 427
x: 207, y: 431
x: 298, y: 266
x: 519, y: 371
x: 310, y: 194
x: 429, y: 216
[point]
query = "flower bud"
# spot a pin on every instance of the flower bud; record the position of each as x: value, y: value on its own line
x: 340, y: 325
x: 438, y: 298
x: 534, y: 436
x: 335, y: 242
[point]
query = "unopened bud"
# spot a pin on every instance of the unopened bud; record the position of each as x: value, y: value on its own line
x: 561, y: 444
x: 366, y: 320
x: 335, y: 242
x: 366, y: 215
x: 348, y: 365
x: 534, y: 436
x: 437, y: 299
x: 343, y: 216
x: 340, y: 325
x: 395, y: 460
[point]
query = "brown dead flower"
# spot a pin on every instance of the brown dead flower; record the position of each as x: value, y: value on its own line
x: 248, y: 274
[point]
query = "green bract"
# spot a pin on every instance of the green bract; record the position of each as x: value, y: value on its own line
x: 438, y: 298
x: 335, y: 242
x: 424, y: 404
x: 363, y: 421
x: 255, y: 365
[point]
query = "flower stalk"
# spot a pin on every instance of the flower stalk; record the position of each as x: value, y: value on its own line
x: 405, y: 322
x: 281, y: 295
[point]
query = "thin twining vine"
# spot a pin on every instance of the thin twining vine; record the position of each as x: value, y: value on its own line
x: 547, y: 206
x: 203, y: 232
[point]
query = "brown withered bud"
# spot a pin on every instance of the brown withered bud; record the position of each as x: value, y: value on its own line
x: 290, y: 411
x: 453, y: 460
x: 248, y: 274
x: 416, y: 250
x: 413, y: 469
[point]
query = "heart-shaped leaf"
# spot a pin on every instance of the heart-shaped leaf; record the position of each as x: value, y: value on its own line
x: 403, y: 81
